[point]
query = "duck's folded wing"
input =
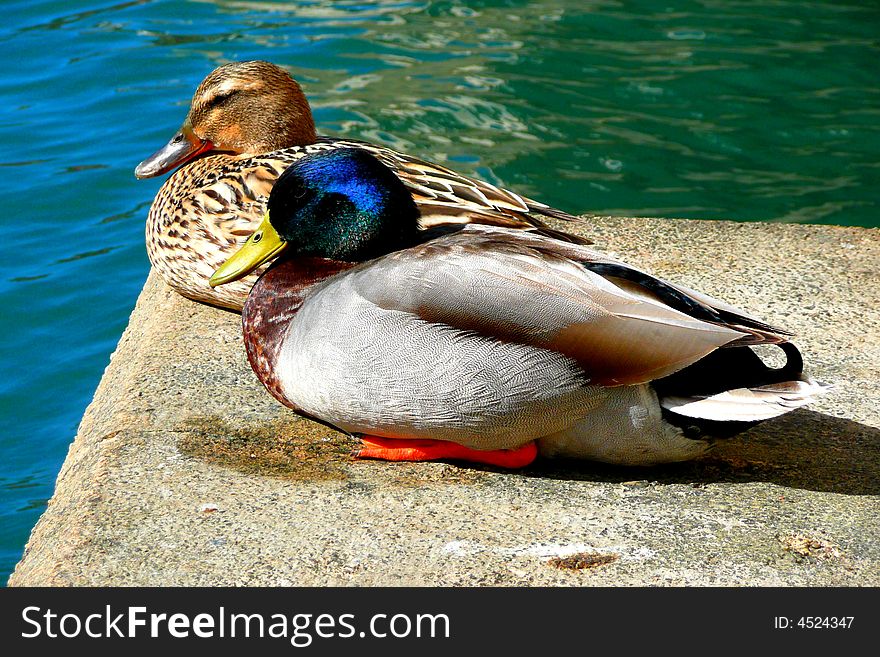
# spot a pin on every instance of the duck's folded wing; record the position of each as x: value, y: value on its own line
x: 498, y: 285
x: 445, y: 196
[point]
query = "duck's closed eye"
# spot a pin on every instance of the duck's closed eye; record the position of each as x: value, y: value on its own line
x: 220, y: 98
x: 298, y: 191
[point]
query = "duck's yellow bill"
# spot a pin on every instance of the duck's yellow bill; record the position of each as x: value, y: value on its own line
x: 261, y: 247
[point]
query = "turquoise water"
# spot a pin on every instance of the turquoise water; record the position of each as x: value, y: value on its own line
x: 713, y: 109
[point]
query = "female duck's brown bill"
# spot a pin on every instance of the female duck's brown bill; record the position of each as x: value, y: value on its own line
x: 183, y: 147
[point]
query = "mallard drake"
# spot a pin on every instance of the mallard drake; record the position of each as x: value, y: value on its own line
x: 486, y: 343
x: 248, y: 121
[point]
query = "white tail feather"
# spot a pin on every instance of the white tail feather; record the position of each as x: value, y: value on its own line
x: 748, y: 404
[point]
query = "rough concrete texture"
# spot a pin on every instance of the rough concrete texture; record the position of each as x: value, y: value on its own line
x: 186, y: 472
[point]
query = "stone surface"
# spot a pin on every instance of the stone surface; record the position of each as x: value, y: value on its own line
x: 185, y: 472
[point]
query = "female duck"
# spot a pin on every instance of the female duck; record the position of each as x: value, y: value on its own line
x: 485, y: 343
x: 247, y: 123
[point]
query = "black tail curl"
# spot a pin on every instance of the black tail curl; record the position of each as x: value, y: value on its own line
x: 729, y: 369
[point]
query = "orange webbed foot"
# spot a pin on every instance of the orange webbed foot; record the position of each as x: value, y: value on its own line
x: 401, y: 449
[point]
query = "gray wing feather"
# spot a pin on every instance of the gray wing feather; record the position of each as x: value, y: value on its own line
x: 513, y: 287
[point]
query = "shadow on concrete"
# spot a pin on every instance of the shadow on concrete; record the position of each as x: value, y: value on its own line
x: 803, y: 449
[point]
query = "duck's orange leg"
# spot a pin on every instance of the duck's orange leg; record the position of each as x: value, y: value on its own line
x: 401, y: 449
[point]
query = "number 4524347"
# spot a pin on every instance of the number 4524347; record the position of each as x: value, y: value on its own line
x: 813, y: 622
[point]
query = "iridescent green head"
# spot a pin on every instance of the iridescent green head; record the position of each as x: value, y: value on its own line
x: 342, y: 204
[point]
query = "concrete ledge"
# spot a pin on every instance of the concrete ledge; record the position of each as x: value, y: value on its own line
x: 185, y: 472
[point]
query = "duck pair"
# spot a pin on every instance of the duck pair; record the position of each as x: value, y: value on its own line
x: 248, y: 122
x: 474, y: 334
